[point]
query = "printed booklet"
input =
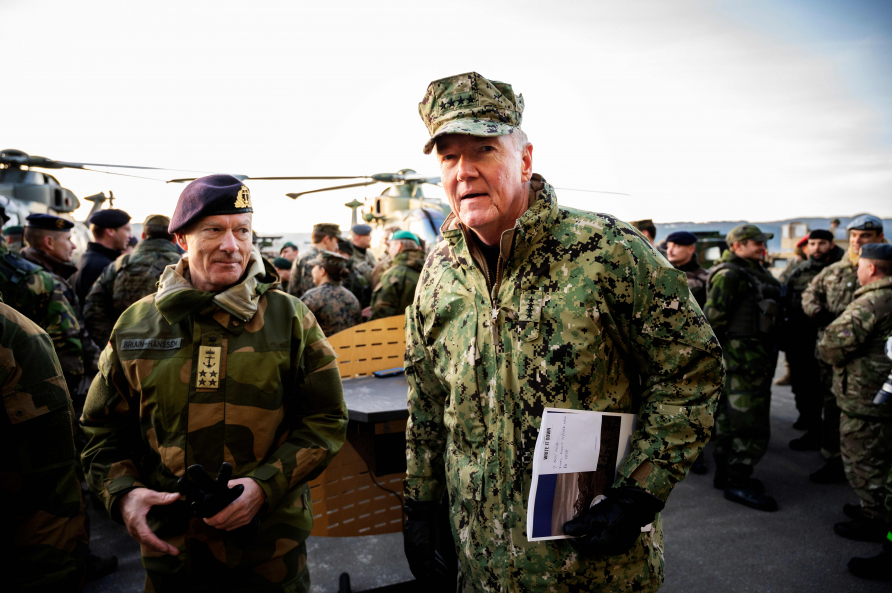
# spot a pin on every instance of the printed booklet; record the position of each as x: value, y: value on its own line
x: 576, y: 458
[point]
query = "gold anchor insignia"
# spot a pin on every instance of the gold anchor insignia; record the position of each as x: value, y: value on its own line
x: 60, y: 224
x: 243, y: 199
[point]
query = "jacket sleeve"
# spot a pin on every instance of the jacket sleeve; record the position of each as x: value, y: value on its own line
x: 61, y: 324
x: 386, y: 297
x: 316, y: 416
x: 814, y: 296
x: 844, y: 337
x: 679, y: 362
x: 720, y: 299
x: 98, y: 305
x: 425, y: 431
x: 110, y: 423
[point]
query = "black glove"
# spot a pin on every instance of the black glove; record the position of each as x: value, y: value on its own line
x: 207, y: 497
x: 612, y: 526
x: 420, y: 539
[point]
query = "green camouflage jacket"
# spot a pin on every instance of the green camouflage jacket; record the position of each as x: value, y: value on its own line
x: 302, y: 274
x: 396, y: 289
x: 43, y: 545
x: 32, y: 291
x: 243, y: 376
x: 732, y: 298
x: 381, y: 267
x: 358, y: 286
x: 855, y: 345
x: 830, y: 292
x: 586, y: 315
x: 364, y: 263
x: 334, y: 307
x: 131, y: 278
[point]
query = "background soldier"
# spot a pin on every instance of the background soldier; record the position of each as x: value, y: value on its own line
x: 681, y: 251
x: 647, y: 228
x: 324, y: 238
x: 111, y: 233
x: 824, y: 299
x: 525, y: 305
x: 130, y: 278
x: 800, y: 339
x: 855, y: 345
x: 396, y: 288
x: 261, y: 387
x: 43, y: 545
x: 283, y: 268
x: 334, y: 307
x: 355, y: 282
x: 742, y: 307
x: 363, y: 258
x: 14, y: 236
x: 288, y: 251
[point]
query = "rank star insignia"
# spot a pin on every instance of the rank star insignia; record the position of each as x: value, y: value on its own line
x: 243, y: 199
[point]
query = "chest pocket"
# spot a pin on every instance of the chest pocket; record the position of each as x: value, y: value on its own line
x: 529, y: 315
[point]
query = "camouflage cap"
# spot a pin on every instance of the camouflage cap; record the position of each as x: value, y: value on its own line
x: 157, y: 220
x: 324, y: 258
x: 645, y: 224
x: 329, y: 228
x: 743, y: 232
x: 471, y: 105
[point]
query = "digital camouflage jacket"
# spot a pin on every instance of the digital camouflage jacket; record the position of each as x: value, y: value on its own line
x: 396, y: 289
x: 43, y: 545
x: 243, y: 376
x: 583, y: 314
x: 855, y: 345
x: 32, y: 291
x: 831, y: 291
x: 334, y: 307
x: 301, y: 273
x: 121, y: 284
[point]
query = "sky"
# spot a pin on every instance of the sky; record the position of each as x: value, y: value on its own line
x: 698, y: 110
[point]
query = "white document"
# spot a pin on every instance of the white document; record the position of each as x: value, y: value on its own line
x: 575, y: 461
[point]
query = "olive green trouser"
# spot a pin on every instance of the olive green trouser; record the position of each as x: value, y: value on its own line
x: 866, y: 448
x: 742, y: 424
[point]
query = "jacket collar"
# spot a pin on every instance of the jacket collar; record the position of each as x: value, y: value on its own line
x: 413, y: 258
x: 48, y: 262
x: 102, y: 249
x: 154, y: 246
x: 875, y: 285
x: 176, y: 298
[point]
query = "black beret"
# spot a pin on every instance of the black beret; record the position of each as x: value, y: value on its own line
x: 48, y: 222
x: 362, y: 229
x: 209, y: 196
x: 881, y: 251
x: 822, y: 234
x: 681, y: 238
x: 109, y: 219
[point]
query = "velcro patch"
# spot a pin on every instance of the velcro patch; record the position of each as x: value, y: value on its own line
x: 151, y: 344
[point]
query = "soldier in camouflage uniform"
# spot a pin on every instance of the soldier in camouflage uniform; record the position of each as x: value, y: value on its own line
x: 800, y: 338
x: 325, y: 238
x: 396, y: 289
x: 523, y: 305
x: 130, y: 278
x: 219, y: 365
x: 13, y: 235
x: 334, y: 307
x: 355, y: 281
x: 363, y: 258
x: 824, y: 299
x: 742, y: 307
x: 43, y: 545
x: 854, y: 343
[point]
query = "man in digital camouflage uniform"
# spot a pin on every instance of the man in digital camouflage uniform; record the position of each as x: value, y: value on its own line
x: 524, y: 305
x: 43, y: 545
x: 396, y: 289
x: 742, y: 305
x: 854, y: 343
x: 363, y: 258
x: 130, y: 278
x: 800, y: 338
x: 218, y: 366
x: 825, y: 298
x: 324, y: 238
x: 334, y: 307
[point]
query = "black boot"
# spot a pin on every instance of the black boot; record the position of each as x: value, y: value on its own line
x: 699, y: 466
x: 810, y: 441
x: 853, y: 511
x: 864, y: 530
x: 877, y: 568
x: 722, y: 481
x: 831, y: 473
x: 99, y: 567
x: 744, y: 490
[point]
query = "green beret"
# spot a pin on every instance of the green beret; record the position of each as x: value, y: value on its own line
x: 13, y: 230
x: 280, y: 263
x: 399, y: 235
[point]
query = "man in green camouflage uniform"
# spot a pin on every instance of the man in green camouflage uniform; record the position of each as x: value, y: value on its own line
x: 396, y: 288
x: 854, y: 343
x: 824, y: 299
x: 334, y: 307
x: 742, y: 307
x: 130, y: 278
x: 524, y: 305
x: 325, y: 238
x: 218, y: 366
x: 356, y: 281
x: 800, y: 338
x: 13, y: 235
x: 43, y: 545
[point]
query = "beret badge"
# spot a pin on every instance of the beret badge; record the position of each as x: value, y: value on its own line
x: 243, y: 199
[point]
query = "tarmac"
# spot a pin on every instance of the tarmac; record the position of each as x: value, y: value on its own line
x: 711, y: 544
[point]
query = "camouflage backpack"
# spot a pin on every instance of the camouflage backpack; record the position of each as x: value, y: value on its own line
x: 136, y: 278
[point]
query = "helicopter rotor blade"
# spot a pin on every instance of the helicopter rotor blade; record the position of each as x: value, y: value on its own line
x: 307, y: 178
x: 296, y: 195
